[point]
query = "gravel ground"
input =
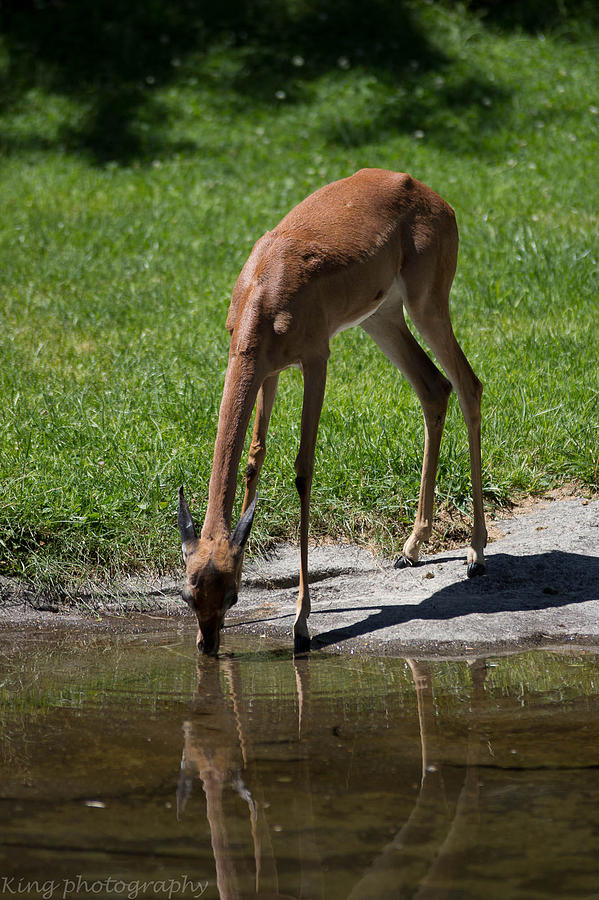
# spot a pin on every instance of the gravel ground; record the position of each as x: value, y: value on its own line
x: 541, y: 589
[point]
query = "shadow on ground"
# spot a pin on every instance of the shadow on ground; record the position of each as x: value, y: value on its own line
x: 514, y: 584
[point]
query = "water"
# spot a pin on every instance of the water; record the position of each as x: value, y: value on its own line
x: 130, y: 770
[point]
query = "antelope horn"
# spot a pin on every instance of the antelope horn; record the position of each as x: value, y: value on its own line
x: 242, y: 529
x: 186, y: 526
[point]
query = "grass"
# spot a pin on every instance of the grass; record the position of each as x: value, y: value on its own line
x: 144, y: 150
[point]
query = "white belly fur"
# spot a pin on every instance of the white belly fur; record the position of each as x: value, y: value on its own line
x: 397, y: 289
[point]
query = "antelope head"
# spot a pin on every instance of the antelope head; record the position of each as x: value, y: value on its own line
x: 212, y: 573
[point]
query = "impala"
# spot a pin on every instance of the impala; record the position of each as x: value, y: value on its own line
x: 356, y: 252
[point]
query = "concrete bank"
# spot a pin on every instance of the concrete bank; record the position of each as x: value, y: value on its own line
x: 542, y: 589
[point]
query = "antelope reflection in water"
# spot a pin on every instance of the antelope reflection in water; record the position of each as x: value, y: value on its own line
x: 419, y: 861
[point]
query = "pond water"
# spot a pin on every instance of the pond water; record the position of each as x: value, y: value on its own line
x: 129, y: 768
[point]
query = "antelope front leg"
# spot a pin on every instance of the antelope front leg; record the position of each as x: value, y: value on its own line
x: 315, y: 374
x: 264, y: 404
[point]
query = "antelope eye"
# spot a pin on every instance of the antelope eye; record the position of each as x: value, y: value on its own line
x: 187, y: 595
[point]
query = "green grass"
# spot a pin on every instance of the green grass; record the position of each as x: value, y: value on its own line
x: 145, y: 149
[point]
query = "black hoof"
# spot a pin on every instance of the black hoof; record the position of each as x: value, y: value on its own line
x: 301, y: 644
x: 403, y: 562
x: 475, y: 569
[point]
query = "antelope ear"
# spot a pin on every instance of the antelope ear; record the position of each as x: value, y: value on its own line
x: 186, y: 526
x: 242, y: 530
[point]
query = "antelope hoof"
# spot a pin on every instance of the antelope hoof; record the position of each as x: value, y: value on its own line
x: 301, y: 644
x: 475, y: 568
x: 404, y: 562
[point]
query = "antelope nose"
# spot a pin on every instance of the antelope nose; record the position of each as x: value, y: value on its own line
x: 208, y: 643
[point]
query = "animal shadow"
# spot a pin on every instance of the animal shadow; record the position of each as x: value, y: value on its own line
x: 513, y: 584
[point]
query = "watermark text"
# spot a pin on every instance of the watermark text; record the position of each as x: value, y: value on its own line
x: 78, y: 886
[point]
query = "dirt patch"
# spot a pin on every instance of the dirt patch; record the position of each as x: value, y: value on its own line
x: 541, y: 588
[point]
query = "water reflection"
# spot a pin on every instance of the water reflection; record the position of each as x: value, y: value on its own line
x: 426, y: 852
x: 331, y: 777
x: 421, y: 857
x: 218, y: 750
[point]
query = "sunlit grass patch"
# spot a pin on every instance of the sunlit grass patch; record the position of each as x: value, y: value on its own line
x: 131, y: 201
